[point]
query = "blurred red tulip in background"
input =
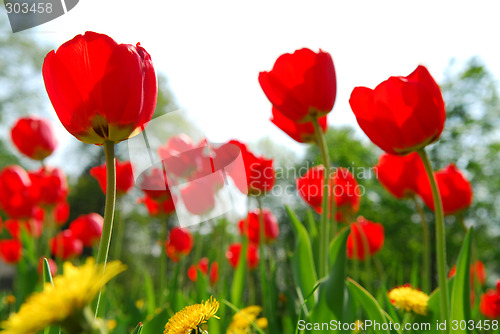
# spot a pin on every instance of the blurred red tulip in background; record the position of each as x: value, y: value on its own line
x: 233, y: 255
x: 399, y: 174
x: 124, y: 176
x: 344, y: 187
x: 34, y: 137
x: 87, y: 228
x: 11, y: 250
x: 16, y: 196
x: 455, y: 190
x: 49, y: 186
x: 366, y: 238
x: 490, y: 303
x: 476, y: 270
x: 252, y: 223
x: 178, y: 243
x: 65, y: 245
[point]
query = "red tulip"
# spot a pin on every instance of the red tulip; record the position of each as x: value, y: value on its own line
x: 476, y: 270
x: 49, y: 186
x: 345, y: 189
x: 179, y: 243
x: 252, y: 222
x: 399, y: 174
x: 154, y: 183
x: 259, y: 174
x: 101, y: 90
x: 455, y: 190
x: 61, y: 213
x: 233, y: 255
x: 214, y: 272
x: 52, y: 267
x: 12, y: 226
x: 490, y: 303
x: 87, y: 228
x: 33, y: 136
x: 301, y: 132
x: 203, y: 267
x: 159, y: 208
x: 199, y: 196
x: 11, y: 250
x: 402, y: 114
x: 192, y: 273
x: 124, y: 176
x: 182, y: 158
x: 176, y: 145
x: 32, y: 226
x: 364, y: 233
x: 16, y: 198
x: 65, y: 245
x: 301, y: 85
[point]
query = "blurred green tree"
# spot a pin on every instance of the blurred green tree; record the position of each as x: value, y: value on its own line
x: 21, y: 58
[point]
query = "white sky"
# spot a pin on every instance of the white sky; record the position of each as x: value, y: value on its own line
x: 213, y: 51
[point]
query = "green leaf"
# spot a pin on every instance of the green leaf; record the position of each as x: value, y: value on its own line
x: 388, y: 305
x: 372, y: 309
x: 311, y: 225
x: 150, y: 293
x: 26, y: 280
x: 47, y: 278
x: 434, y: 309
x: 138, y: 329
x: 331, y: 291
x: 239, y: 277
x: 460, y: 292
x: 303, y: 268
x: 201, y: 285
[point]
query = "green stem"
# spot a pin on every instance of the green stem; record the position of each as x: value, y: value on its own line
x: 426, y: 254
x: 440, y: 237
x: 163, y: 264
x: 267, y: 300
x: 120, y: 232
x: 43, y: 246
x: 109, y: 209
x: 324, y: 236
x: 367, y: 260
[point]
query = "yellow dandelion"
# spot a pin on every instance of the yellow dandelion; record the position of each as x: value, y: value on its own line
x: 409, y: 300
x: 111, y: 324
x: 243, y: 319
x: 359, y: 326
x: 189, y: 319
x: 139, y: 304
x: 71, y: 293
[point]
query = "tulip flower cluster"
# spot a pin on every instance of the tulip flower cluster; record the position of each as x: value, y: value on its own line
x: 104, y: 92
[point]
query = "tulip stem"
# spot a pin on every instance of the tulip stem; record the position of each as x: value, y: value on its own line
x: 324, y: 235
x: 109, y: 209
x: 440, y: 237
x: 426, y: 254
x: 163, y: 262
x: 267, y: 302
